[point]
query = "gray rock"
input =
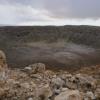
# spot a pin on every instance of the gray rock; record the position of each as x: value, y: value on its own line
x: 30, y: 98
x: 56, y: 84
x: 85, y: 82
x: 97, y: 92
x: 43, y: 92
x: 69, y: 95
x: 89, y: 96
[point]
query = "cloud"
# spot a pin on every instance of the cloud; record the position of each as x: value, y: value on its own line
x: 74, y: 8
x: 29, y: 12
x: 16, y: 14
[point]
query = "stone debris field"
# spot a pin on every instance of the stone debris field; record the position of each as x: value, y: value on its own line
x: 35, y: 82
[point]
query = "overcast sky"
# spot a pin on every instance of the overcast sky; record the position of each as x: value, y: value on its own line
x: 50, y: 12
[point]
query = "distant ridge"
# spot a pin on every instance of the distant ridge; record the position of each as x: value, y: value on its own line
x: 60, y: 46
x: 86, y: 35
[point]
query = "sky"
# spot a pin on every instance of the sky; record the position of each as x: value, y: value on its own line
x: 50, y: 12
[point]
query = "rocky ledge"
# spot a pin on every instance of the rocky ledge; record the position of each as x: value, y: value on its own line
x: 35, y: 82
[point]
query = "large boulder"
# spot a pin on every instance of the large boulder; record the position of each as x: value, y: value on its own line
x: 3, y: 66
x: 85, y: 82
x: 71, y: 83
x: 36, y: 68
x: 56, y: 85
x: 89, y: 96
x: 69, y: 80
x: 69, y: 95
x: 49, y: 73
x: 3, y: 63
x: 43, y: 92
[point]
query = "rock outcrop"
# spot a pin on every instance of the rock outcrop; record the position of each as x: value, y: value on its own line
x: 35, y: 82
x: 3, y: 66
x: 3, y: 63
x: 35, y: 68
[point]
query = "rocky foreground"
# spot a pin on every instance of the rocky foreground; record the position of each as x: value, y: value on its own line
x: 34, y: 82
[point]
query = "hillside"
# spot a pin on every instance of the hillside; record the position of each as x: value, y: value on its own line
x: 87, y: 35
x: 60, y: 46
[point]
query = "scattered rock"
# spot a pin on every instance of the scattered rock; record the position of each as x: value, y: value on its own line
x: 34, y: 82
